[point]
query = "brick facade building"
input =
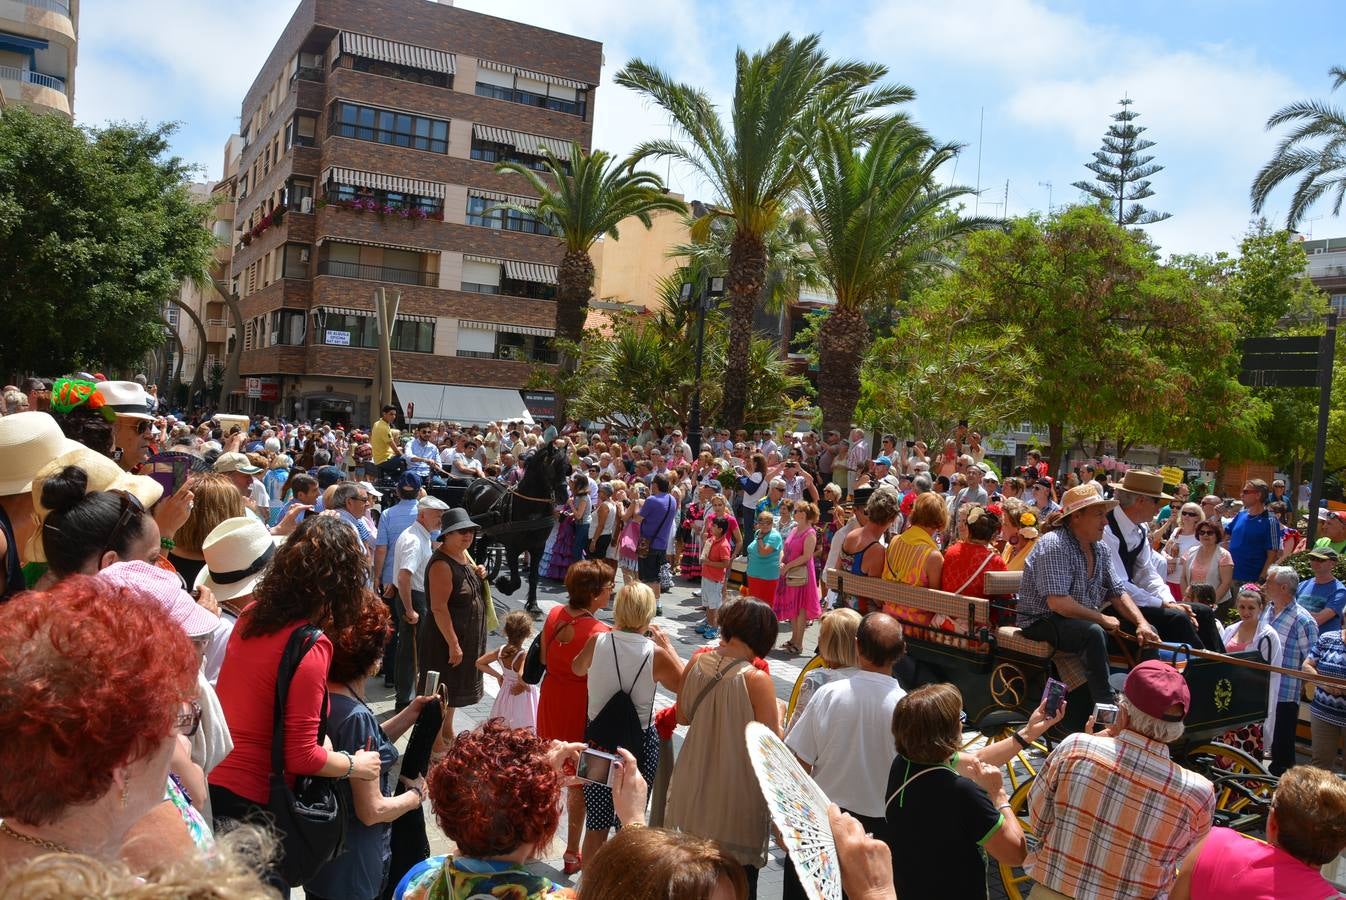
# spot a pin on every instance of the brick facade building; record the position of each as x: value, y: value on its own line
x: 371, y: 136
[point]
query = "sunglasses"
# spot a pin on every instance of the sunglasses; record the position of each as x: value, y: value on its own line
x: 1206, y: 532
x: 1191, y: 515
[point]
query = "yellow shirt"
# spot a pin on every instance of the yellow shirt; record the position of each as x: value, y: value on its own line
x: 381, y: 441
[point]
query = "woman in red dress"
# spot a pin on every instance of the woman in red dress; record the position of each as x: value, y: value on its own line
x: 967, y: 561
x: 562, y: 710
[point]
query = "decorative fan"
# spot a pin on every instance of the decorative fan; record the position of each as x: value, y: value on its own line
x: 799, y: 810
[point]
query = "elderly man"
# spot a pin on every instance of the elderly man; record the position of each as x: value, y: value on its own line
x: 798, y: 482
x: 857, y: 458
x: 349, y: 502
x: 411, y: 555
x: 1322, y: 594
x: 240, y: 472
x: 883, y: 474
x: 1210, y: 508
x: 1334, y: 531
x: 134, y: 425
x: 1137, y: 565
x: 1298, y: 632
x: 1113, y: 813
x: 1068, y: 579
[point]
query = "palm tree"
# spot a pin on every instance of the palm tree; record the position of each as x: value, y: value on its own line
x: 1321, y: 171
x: 880, y: 215
x: 751, y: 166
x: 582, y: 199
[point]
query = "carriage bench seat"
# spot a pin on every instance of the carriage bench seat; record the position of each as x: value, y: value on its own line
x: 1011, y: 638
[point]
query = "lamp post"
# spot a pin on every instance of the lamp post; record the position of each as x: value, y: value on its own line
x: 711, y: 289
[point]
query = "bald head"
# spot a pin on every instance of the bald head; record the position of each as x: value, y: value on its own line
x: 879, y: 642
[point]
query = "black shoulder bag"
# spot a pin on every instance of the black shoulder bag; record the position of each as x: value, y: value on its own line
x: 310, y: 820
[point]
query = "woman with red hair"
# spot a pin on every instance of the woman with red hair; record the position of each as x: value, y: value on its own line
x: 98, y: 684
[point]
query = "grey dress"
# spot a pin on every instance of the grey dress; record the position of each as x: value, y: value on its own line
x: 467, y: 609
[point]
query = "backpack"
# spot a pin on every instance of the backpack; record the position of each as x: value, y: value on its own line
x: 617, y: 723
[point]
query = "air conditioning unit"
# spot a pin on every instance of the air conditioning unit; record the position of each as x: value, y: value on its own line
x: 306, y: 205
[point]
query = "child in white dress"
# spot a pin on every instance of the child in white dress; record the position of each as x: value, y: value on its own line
x: 516, y: 701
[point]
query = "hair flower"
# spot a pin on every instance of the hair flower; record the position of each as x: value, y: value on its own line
x: 1027, y: 519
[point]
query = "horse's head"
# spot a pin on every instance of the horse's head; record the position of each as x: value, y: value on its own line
x: 549, y: 469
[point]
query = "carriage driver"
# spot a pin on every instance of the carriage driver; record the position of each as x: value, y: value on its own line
x: 1068, y: 579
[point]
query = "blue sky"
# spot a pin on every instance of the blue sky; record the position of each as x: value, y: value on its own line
x: 1203, y: 74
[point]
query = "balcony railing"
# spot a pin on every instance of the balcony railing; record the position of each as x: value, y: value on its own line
x: 13, y: 73
x: 515, y: 354
x: 311, y: 73
x: 377, y: 273
x: 60, y: 6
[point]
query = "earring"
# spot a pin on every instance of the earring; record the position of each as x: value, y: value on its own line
x: 124, y: 790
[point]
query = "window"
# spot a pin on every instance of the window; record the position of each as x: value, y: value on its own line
x: 403, y: 73
x: 488, y: 151
x: 301, y: 130
x: 308, y: 66
x: 476, y: 342
x: 530, y: 92
x: 287, y: 327
x: 351, y: 331
x: 507, y: 219
x: 299, y: 195
x: 296, y: 260
x: 415, y: 337
x: 534, y: 290
x: 384, y: 126
x: 432, y: 207
x: 481, y: 278
x: 1339, y: 303
x: 243, y: 186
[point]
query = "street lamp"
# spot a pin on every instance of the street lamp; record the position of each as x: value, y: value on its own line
x: 711, y: 289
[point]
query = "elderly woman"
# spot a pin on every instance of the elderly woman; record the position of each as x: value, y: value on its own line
x: 967, y: 561
x: 654, y: 864
x: 836, y: 647
x: 564, y: 702
x: 1020, y: 532
x: 721, y: 693
x: 764, y: 554
x: 1327, y: 714
x: 1207, y: 562
x: 98, y: 682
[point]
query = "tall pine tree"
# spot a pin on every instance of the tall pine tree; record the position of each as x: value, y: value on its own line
x: 1121, y: 173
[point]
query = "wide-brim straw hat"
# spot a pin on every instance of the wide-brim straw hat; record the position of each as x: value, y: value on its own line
x: 28, y: 441
x: 1082, y: 497
x: 126, y: 398
x: 1147, y: 484
x: 237, y: 554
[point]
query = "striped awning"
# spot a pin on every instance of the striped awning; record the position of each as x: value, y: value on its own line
x: 344, y: 311
x: 532, y: 144
x: 337, y: 239
x: 526, y: 271
x: 397, y: 53
x: 379, y: 182
x: 497, y: 197
x: 467, y: 257
x: 507, y: 328
x: 536, y: 76
x: 405, y: 317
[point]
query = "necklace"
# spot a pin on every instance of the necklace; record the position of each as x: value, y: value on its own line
x: 35, y: 841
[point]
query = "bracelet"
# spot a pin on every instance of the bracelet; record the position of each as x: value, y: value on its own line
x: 419, y: 792
x: 350, y: 765
x: 1020, y: 740
x: 167, y: 543
x: 1004, y: 806
x: 626, y: 825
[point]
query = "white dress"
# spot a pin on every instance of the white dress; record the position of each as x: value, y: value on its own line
x: 519, y: 710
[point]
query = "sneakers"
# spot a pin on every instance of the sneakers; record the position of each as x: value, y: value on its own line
x: 712, y: 634
x: 696, y: 594
x: 702, y: 627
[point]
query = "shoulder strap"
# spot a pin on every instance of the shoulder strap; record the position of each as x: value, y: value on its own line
x: 301, y: 641
x: 903, y: 786
x: 691, y: 712
x: 973, y: 577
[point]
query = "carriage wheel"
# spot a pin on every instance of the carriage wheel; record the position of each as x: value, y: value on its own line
x: 812, y: 664
x: 1016, y: 881
x: 1021, y: 759
x: 1243, y: 786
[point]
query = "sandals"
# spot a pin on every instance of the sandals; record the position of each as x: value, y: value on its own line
x: 791, y: 649
x: 571, y: 863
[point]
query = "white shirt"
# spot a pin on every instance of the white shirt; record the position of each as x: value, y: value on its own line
x: 257, y: 491
x: 845, y: 735
x: 834, y: 550
x: 412, y: 554
x: 631, y: 671
x: 1148, y: 588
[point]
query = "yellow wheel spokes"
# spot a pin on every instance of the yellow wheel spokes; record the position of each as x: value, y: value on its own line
x: 1018, y: 882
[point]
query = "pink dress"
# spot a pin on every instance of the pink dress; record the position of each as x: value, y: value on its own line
x: 519, y: 710
x: 793, y: 599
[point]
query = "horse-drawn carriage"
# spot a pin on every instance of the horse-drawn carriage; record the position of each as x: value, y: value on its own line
x: 1002, y: 674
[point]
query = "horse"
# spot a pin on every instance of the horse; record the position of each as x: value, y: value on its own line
x: 522, y: 516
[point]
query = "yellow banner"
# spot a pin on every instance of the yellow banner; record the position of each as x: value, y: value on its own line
x: 1172, y: 474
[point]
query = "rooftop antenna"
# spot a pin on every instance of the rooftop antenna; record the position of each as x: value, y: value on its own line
x: 1048, y: 186
x: 981, y: 122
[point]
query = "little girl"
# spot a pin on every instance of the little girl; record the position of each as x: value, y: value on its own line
x: 516, y: 701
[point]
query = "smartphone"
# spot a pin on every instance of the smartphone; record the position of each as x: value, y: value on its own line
x: 911, y: 443
x: 1105, y: 713
x: 1054, y: 693
x: 431, y: 681
x: 170, y: 469
x: 598, y: 767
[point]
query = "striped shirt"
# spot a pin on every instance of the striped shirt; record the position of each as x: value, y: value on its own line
x: 1298, y: 632
x: 1115, y: 816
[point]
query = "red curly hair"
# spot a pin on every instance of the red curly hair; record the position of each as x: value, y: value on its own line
x: 495, y: 791
x: 93, y: 677
x: 360, y: 644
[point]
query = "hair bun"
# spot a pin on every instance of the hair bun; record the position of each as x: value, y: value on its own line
x: 64, y: 489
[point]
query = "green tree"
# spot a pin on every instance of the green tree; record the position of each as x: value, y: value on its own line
x: 1321, y: 169
x: 877, y: 214
x: 779, y: 94
x: 583, y: 198
x: 97, y: 231
x: 1122, y: 171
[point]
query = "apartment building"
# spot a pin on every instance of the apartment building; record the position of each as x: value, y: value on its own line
x: 38, y: 46
x: 370, y: 141
x: 1327, y: 269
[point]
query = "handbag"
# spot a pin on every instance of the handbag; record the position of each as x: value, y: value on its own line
x: 310, y: 819
x: 797, y: 577
x: 643, y: 548
x: 533, y: 666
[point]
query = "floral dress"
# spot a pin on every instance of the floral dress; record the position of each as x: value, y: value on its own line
x: 693, y: 524
x: 560, y: 551
x: 462, y: 878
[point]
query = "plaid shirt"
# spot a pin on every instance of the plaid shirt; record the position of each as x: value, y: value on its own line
x: 1298, y: 633
x: 1057, y: 567
x: 1115, y: 816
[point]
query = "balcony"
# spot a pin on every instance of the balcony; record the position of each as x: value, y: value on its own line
x: 377, y: 273
x: 217, y: 331
x: 515, y: 354
x: 33, y: 89
x: 27, y: 76
x: 309, y: 73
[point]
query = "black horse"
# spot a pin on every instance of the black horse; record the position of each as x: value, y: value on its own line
x: 520, y: 519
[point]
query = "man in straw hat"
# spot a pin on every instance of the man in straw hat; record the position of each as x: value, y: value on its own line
x: 134, y: 425
x: 1068, y: 579
x: 28, y: 441
x: 1127, y: 536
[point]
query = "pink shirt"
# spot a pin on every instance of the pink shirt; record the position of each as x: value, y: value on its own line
x: 1232, y: 865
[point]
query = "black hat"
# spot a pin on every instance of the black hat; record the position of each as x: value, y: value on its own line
x: 457, y: 519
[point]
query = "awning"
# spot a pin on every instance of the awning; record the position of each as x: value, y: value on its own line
x: 532, y: 144
x: 380, y: 182
x: 343, y: 311
x: 536, y: 76
x: 497, y: 197
x: 336, y: 239
x: 398, y: 53
x: 405, y: 317
x: 507, y: 328
x: 526, y: 271
x: 461, y: 403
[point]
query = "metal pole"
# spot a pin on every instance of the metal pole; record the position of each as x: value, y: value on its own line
x: 694, y: 417
x: 1326, y: 354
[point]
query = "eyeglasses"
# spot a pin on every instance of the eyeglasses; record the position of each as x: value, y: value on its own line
x: 144, y: 427
x: 363, y: 498
x: 188, y: 720
x: 130, y: 505
x: 1206, y: 532
x: 1246, y: 491
x: 1191, y: 515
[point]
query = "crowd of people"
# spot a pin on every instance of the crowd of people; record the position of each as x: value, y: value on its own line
x: 166, y: 581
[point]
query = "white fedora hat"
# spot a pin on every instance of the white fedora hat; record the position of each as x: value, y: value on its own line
x: 28, y: 441
x: 237, y: 554
x: 126, y: 398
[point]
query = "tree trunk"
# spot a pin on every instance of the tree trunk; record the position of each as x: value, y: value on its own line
x: 198, y: 376
x: 1056, y: 432
x: 575, y: 285
x: 747, y: 273
x: 842, y: 342
x: 233, y: 365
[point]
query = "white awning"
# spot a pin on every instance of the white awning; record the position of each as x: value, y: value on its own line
x: 536, y: 76
x: 497, y: 197
x: 344, y: 311
x: 526, y: 271
x: 406, y: 317
x: 335, y: 239
x: 532, y: 144
x: 461, y: 403
x: 379, y: 182
x: 507, y: 328
x: 398, y: 53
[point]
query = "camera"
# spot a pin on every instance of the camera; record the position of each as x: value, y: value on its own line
x: 1105, y: 713
x: 598, y: 767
